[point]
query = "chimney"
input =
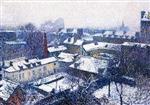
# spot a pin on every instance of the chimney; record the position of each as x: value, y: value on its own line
x: 69, y: 39
x: 27, y: 60
x: 75, y: 39
x: 11, y: 63
x: 45, y: 46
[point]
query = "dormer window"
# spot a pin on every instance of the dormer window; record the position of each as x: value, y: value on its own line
x: 69, y: 39
x: 28, y: 65
x: 39, y: 63
x: 34, y: 64
x: 27, y: 60
x: 20, y: 67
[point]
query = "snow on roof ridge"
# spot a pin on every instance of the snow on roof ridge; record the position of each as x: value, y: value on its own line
x: 102, y: 45
x: 58, y: 48
x: 23, y: 64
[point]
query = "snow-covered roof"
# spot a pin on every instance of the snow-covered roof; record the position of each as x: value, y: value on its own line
x: 63, y: 31
x: 48, y: 60
x: 7, y: 89
x: 86, y: 34
x: 145, y: 19
x: 102, y: 45
x: 130, y: 33
x: 8, y: 31
x: 119, y: 33
x: 58, y: 48
x: 108, y: 33
x: 87, y: 38
x: 135, y: 44
x: 15, y: 42
x: 74, y: 31
x: 98, y: 34
x: 19, y: 65
x: 66, y: 57
x: 89, y: 64
x: 146, y: 16
x: 59, y: 85
x: 73, y: 41
x: 48, y: 78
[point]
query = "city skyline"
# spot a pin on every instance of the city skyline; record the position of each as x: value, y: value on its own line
x: 75, y: 14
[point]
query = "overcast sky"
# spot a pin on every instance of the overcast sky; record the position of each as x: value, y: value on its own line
x: 75, y: 14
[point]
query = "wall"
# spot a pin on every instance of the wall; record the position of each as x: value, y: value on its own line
x: 32, y: 74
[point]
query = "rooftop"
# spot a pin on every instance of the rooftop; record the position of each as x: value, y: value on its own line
x: 7, y: 89
x: 23, y: 64
x: 73, y: 41
x: 61, y: 84
x: 102, y: 45
x: 90, y: 64
x: 108, y: 32
x: 66, y: 57
x: 120, y: 33
x: 15, y: 42
x: 135, y: 44
x: 117, y: 34
x: 58, y: 48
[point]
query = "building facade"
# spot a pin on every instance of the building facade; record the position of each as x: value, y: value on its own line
x: 29, y: 70
x: 135, y: 57
x: 145, y: 26
x: 74, y: 45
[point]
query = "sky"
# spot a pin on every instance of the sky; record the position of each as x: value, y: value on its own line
x: 83, y: 13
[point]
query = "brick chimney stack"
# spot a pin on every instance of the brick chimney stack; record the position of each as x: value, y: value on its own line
x: 45, y: 46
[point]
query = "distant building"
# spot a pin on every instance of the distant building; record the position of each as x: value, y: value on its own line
x: 56, y: 50
x: 14, y: 49
x: 35, y: 44
x: 145, y: 26
x: 87, y: 38
x: 135, y: 57
x: 74, y: 45
x: 8, y: 35
x: 28, y: 70
x: 66, y: 59
x: 115, y: 37
x: 70, y: 32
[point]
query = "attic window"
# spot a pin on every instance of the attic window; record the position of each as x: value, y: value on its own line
x: 34, y: 64
x: 21, y: 67
x: 39, y: 63
x: 27, y: 60
x: 69, y: 39
x: 11, y: 63
x: 106, y: 45
x: 96, y: 43
x: 28, y: 65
